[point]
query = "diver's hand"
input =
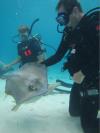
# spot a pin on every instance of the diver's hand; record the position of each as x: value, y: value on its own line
x: 78, y: 77
x: 41, y: 58
x: 42, y: 62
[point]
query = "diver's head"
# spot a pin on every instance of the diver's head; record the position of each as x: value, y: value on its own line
x: 23, y: 32
x: 69, y: 12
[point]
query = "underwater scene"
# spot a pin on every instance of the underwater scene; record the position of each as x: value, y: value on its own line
x: 34, y: 98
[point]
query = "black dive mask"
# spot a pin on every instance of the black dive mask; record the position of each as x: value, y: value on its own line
x: 62, y: 18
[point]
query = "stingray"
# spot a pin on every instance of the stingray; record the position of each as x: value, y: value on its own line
x: 28, y: 84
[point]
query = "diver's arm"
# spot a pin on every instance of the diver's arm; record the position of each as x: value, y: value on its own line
x: 8, y: 67
x: 91, y: 70
x: 61, y: 51
x: 13, y: 63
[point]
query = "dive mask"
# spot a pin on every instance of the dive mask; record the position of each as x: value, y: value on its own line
x: 62, y: 18
x: 24, y: 36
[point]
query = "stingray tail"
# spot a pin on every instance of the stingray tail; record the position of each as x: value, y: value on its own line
x: 15, y: 108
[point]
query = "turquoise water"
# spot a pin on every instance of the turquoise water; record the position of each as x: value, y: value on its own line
x: 50, y: 114
x: 17, y: 12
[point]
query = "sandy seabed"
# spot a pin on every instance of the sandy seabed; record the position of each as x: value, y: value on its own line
x: 47, y: 115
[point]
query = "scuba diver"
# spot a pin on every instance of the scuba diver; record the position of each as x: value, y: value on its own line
x: 29, y: 48
x: 81, y: 41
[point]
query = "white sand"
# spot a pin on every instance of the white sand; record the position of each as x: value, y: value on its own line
x: 47, y: 115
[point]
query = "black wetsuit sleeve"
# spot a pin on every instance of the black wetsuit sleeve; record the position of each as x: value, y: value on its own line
x: 61, y: 51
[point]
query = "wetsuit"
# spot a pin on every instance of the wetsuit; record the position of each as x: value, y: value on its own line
x: 61, y: 51
x: 84, y: 40
x: 29, y: 50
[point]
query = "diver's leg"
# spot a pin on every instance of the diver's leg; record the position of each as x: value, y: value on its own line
x: 74, y: 101
x: 89, y: 109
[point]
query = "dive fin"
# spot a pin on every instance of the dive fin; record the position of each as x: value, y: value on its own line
x: 68, y: 85
x: 51, y: 87
x: 62, y: 91
x: 16, y: 107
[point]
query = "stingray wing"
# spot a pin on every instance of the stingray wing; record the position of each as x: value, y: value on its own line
x: 27, y: 83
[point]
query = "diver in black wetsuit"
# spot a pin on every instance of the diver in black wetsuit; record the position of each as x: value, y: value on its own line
x: 83, y: 61
x: 29, y: 48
